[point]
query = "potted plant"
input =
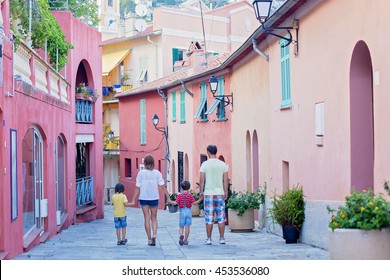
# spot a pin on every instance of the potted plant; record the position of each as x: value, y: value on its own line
x: 289, y: 211
x: 86, y: 92
x: 171, y: 207
x: 241, y: 207
x: 360, y: 229
x: 195, y: 208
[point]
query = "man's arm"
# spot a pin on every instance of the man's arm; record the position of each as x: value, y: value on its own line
x: 201, y: 184
x: 225, y: 184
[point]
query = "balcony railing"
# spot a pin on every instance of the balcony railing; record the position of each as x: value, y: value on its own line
x: 84, y: 191
x: 84, y: 111
x: 45, y: 78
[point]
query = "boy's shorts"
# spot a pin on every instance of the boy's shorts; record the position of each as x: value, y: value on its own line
x: 120, y: 222
x: 185, y: 217
x: 212, y: 204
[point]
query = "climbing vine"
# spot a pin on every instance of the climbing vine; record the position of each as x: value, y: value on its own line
x: 45, y: 31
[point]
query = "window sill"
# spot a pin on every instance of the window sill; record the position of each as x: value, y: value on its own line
x: 29, y: 239
x: 221, y: 120
x: 286, y: 108
x: 182, y: 121
x: 202, y: 121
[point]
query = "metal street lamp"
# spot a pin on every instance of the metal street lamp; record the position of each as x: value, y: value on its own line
x: 227, y: 99
x: 263, y: 10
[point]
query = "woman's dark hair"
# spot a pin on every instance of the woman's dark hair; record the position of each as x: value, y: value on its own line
x: 212, y: 149
x: 119, y: 188
x: 149, y: 162
x: 185, y: 185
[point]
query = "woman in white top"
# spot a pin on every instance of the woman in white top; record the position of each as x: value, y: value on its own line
x: 147, y: 183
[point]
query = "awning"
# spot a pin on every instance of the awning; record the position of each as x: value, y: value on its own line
x: 111, y: 60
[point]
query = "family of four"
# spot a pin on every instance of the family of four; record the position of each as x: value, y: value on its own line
x: 213, y: 181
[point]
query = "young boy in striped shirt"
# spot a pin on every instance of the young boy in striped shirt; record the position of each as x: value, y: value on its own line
x: 185, y: 201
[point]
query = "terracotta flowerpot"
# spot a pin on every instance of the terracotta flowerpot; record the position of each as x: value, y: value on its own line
x: 195, y: 210
x: 356, y: 244
x: 246, y: 222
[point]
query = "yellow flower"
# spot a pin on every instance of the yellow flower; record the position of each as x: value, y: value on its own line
x: 362, y: 208
x: 371, y: 203
x: 364, y: 191
x: 343, y: 216
x: 376, y: 208
x: 335, y: 224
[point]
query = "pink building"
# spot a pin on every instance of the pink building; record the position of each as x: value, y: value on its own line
x: 181, y: 101
x: 51, y: 155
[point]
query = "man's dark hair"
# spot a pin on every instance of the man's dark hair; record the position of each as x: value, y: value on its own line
x: 185, y: 185
x: 212, y: 149
x: 119, y: 188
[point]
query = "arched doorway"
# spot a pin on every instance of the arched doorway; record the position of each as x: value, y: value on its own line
x: 186, y: 168
x: 248, y: 155
x: 173, y: 177
x: 32, y: 180
x: 60, y: 152
x: 361, y: 118
x: 255, y: 161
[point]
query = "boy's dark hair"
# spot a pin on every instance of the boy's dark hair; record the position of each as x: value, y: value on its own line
x: 119, y: 188
x: 212, y: 149
x: 185, y: 185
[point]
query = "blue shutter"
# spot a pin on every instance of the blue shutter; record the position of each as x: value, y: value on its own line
x: 142, y: 109
x: 221, y: 106
x: 202, y: 107
x: 175, y: 55
x: 182, y: 107
x: 174, y: 106
x: 285, y: 74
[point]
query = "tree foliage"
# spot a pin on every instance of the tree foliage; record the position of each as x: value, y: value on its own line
x: 44, y: 29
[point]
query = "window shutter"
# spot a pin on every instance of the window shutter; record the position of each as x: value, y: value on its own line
x: 285, y: 74
x: 142, y: 121
x: 182, y: 107
x: 174, y: 106
x: 175, y: 55
x: 221, y: 91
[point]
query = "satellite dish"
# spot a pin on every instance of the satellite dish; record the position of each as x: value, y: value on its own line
x: 141, y: 10
x: 140, y: 25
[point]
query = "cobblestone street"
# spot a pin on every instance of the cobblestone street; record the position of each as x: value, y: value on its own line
x: 96, y: 240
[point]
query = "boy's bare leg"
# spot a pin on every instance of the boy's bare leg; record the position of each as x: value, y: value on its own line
x: 187, y: 233
x: 123, y: 233
x: 118, y: 234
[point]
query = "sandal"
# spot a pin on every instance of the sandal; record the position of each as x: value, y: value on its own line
x: 153, y: 241
x: 150, y: 242
x: 181, y: 240
x: 119, y: 243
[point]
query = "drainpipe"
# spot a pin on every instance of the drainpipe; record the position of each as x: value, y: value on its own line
x: 263, y: 55
x: 155, y: 44
x: 167, y: 155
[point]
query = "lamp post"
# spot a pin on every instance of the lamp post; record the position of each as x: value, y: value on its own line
x: 263, y: 11
x: 227, y: 99
x: 164, y: 130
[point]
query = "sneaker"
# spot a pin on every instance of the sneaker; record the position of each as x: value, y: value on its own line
x: 207, y: 241
x: 119, y: 243
x: 222, y: 240
x: 124, y: 241
x: 181, y: 240
x: 185, y: 242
